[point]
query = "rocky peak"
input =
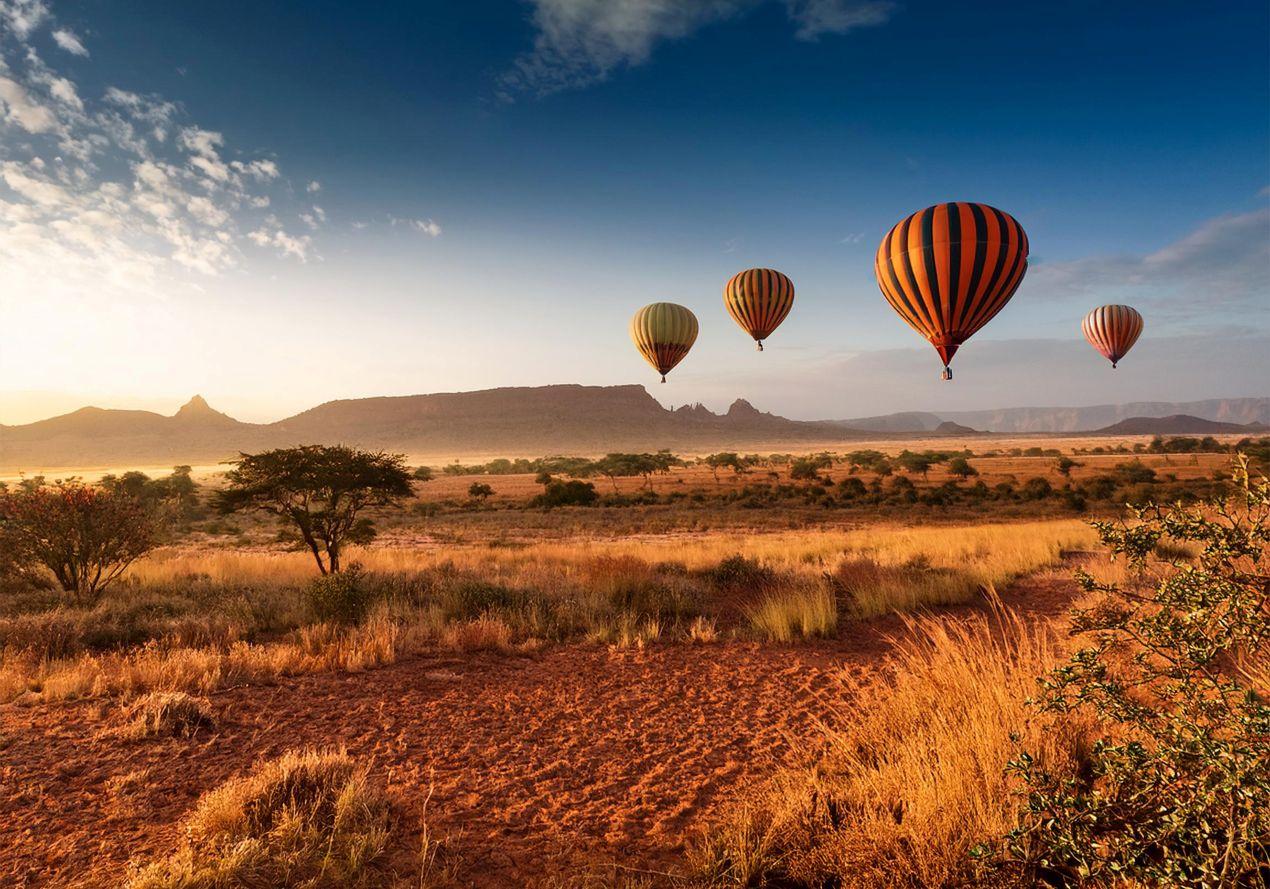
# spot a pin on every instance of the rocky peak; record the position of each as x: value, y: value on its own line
x: 743, y: 410
x: 197, y: 410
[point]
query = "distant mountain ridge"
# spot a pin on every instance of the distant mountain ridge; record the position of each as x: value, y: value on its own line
x: 1179, y: 424
x: 498, y: 422
x: 1241, y: 411
x: 534, y: 421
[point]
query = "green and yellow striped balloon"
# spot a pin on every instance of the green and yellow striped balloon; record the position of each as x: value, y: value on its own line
x: 758, y: 300
x: 663, y: 333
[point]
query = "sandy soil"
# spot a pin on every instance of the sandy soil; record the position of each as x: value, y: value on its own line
x: 532, y: 766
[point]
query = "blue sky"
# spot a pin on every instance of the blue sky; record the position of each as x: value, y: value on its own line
x: 466, y: 195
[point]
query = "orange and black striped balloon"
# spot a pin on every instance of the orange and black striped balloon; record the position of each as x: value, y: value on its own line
x: 758, y: 300
x: 949, y: 269
x: 1112, y: 330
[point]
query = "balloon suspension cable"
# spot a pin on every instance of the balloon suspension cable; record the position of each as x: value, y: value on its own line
x: 663, y: 378
x: 947, y: 374
x: 760, y: 345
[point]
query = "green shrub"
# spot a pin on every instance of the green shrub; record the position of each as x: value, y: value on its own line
x: 344, y: 597
x: 566, y: 493
x: 739, y: 574
x: 1178, y: 791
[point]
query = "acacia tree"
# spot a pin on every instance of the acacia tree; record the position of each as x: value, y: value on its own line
x: 322, y: 490
x: 724, y: 460
x: 960, y: 467
x: 87, y: 536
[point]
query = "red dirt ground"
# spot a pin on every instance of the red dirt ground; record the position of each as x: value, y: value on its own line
x: 538, y: 766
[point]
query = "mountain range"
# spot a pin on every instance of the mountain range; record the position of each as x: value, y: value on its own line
x: 545, y: 420
x: 1239, y: 411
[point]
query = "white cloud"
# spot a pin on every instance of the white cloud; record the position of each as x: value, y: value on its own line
x: 1225, y: 261
x: 817, y: 17
x: 313, y: 187
x: 429, y: 227
x: 99, y: 201
x: 23, y: 16
x: 69, y: 41
x: 289, y: 245
x: 22, y: 110
x: 314, y: 218
x: 580, y: 42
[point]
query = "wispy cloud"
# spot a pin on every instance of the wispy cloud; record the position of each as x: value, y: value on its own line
x: 429, y: 227
x: 815, y: 18
x: 117, y: 191
x: 1223, y: 262
x: 581, y: 42
x: 23, y: 16
x: 69, y: 41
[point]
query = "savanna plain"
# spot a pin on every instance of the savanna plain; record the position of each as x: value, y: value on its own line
x: 782, y: 669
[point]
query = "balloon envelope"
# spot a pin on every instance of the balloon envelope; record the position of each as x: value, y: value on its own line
x: 758, y: 300
x: 949, y: 269
x: 663, y: 333
x: 1112, y: 330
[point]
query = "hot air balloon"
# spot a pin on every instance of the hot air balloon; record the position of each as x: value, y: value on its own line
x: 663, y: 333
x: 947, y: 270
x: 758, y: 300
x: 1112, y: 330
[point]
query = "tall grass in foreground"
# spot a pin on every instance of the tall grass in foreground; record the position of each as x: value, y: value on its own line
x: 910, y: 777
x: 305, y: 819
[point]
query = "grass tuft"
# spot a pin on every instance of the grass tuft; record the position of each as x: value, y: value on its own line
x: 166, y: 714
x: 804, y: 611
x: 309, y: 818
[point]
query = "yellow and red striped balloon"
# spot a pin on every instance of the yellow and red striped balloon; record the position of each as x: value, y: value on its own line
x: 949, y: 269
x: 1112, y: 330
x: 663, y: 333
x: 758, y: 300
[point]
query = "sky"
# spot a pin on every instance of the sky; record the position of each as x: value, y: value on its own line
x: 275, y: 204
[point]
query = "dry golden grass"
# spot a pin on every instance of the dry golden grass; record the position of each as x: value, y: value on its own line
x: 166, y: 713
x: 910, y: 778
x: 915, y: 567
x: 804, y: 611
x: 127, y: 674
x: 702, y: 630
x: 1026, y: 544
x: 622, y: 592
x: 485, y: 633
x: 308, y: 819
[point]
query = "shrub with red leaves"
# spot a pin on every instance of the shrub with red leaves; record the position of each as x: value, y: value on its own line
x: 85, y: 535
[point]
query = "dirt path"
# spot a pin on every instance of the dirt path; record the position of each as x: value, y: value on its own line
x: 534, y: 765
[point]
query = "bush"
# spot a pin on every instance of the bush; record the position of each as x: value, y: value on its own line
x: 86, y: 536
x: 1036, y: 488
x: 1178, y: 791
x: 739, y: 574
x: 566, y: 493
x: 343, y: 598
